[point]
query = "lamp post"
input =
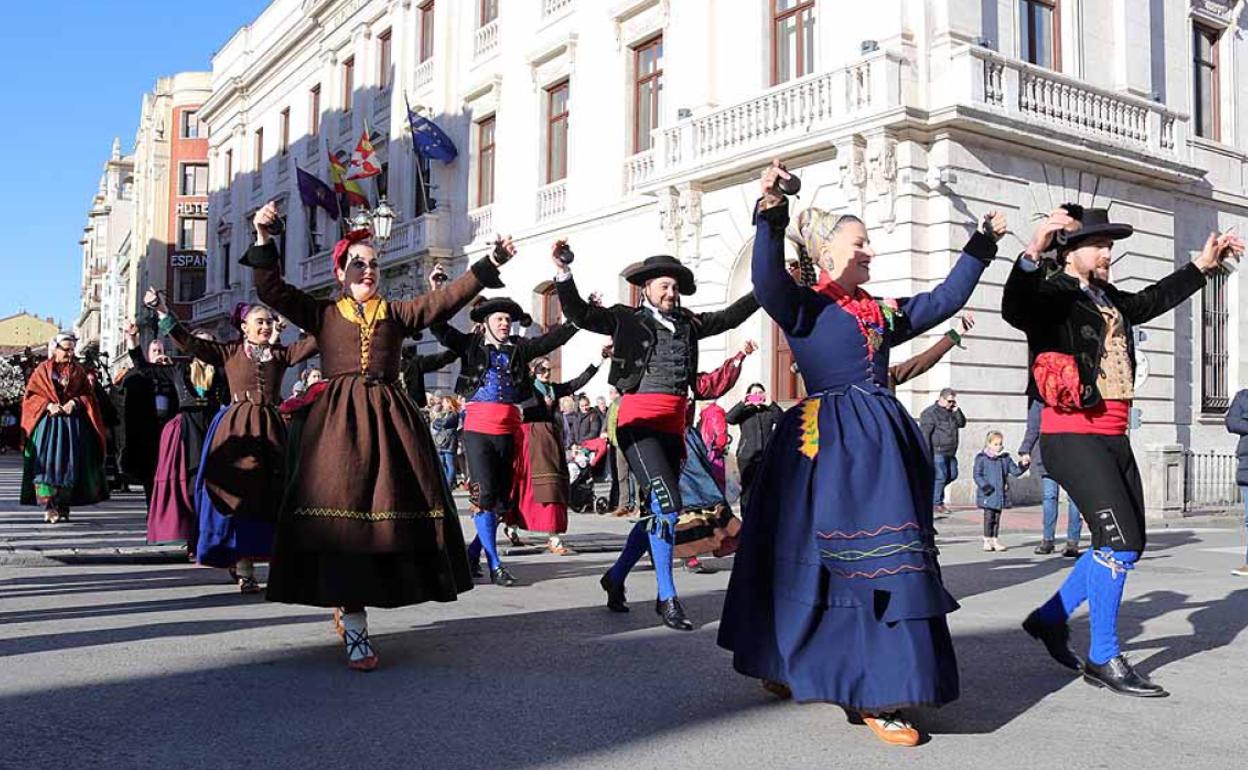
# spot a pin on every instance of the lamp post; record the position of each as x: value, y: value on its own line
x: 379, y: 221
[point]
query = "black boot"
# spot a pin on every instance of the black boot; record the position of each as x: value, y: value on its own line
x: 1117, y: 676
x: 1056, y: 640
x: 1045, y: 547
x: 673, y: 614
x: 502, y: 577
x: 616, y: 601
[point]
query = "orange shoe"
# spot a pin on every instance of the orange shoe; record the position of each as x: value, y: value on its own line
x: 365, y: 664
x: 338, y: 627
x: 893, y: 729
x: 557, y: 547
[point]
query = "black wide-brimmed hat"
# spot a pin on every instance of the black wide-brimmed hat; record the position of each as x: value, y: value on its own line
x: 1093, y: 223
x: 483, y: 310
x: 659, y: 267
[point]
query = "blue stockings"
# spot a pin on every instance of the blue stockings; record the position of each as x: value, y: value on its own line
x: 487, y: 531
x: 1099, y: 577
x: 659, y: 534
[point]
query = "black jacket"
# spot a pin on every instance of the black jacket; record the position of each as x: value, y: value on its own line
x: 633, y: 330
x: 940, y: 427
x: 1237, y: 423
x: 1057, y: 316
x: 475, y: 357
x: 414, y: 368
x: 757, y: 422
x: 535, y: 409
x: 588, y: 425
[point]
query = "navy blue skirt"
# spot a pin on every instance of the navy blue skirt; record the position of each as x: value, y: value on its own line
x: 836, y: 589
x: 223, y: 540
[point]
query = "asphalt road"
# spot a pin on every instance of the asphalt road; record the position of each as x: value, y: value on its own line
x: 165, y: 665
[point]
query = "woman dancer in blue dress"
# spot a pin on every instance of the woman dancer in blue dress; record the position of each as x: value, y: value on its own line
x: 836, y: 594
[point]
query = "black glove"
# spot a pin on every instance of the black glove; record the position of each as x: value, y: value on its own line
x: 987, y: 489
x: 500, y: 254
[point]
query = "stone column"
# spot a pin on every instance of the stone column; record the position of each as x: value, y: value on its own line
x: 1163, y: 481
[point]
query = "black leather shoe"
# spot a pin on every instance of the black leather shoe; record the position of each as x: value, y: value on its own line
x: 1045, y: 547
x: 616, y: 601
x: 673, y: 614
x: 1071, y: 551
x: 474, y: 569
x: 502, y: 577
x: 1117, y: 676
x: 1056, y: 640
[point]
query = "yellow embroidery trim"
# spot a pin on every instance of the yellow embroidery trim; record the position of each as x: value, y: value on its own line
x: 343, y: 513
x: 810, y: 428
x: 366, y: 316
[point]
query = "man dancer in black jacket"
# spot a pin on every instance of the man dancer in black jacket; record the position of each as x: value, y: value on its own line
x: 1082, y: 355
x: 654, y: 363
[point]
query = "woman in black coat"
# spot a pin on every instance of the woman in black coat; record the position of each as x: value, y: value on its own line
x: 757, y: 417
x: 1237, y: 423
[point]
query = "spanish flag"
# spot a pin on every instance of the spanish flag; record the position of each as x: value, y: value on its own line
x: 344, y: 185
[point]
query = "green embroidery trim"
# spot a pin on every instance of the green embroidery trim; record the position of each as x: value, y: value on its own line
x: 892, y: 549
x: 343, y: 513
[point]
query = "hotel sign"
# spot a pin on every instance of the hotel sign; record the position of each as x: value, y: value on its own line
x: 193, y: 209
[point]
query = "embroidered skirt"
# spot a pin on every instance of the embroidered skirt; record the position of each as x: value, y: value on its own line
x: 836, y: 589
x: 707, y: 525
x: 63, y: 464
x: 369, y: 520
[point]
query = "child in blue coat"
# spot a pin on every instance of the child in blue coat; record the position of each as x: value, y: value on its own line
x: 993, y: 468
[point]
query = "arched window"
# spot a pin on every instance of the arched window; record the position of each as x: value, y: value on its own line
x: 549, y: 316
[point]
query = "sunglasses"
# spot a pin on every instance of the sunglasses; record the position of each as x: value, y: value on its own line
x: 542, y: 370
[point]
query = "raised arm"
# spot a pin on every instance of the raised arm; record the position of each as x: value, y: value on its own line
x: 711, y: 385
x: 549, y: 342
x: 301, y: 308
x: 208, y: 351
x: 1162, y: 297
x: 562, y: 389
x: 923, y: 311
x: 717, y: 322
x: 442, y: 304
x: 455, y: 341
x: 913, y: 367
x: 586, y: 316
x: 736, y: 414
x: 435, y: 361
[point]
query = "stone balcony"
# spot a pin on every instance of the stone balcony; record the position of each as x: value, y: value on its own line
x: 481, y: 225
x: 552, y: 200
x: 212, y: 306
x: 485, y: 41
x: 423, y: 77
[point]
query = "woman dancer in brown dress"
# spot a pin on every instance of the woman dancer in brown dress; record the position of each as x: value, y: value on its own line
x: 238, y: 489
x: 370, y: 521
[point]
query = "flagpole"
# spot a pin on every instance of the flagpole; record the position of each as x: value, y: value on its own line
x: 420, y: 172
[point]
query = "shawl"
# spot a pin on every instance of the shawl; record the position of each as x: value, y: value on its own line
x: 41, y: 391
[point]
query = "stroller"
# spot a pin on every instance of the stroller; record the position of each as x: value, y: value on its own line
x: 587, y: 457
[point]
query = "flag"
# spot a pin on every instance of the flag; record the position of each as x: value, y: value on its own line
x: 364, y: 161
x: 429, y: 140
x: 313, y: 192
x: 344, y: 185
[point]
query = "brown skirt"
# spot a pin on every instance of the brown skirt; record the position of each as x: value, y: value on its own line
x: 244, y: 469
x: 370, y: 520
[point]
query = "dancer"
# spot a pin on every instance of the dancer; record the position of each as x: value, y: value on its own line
x: 1081, y: 345
x: 836, y: 592
x: 64, y: 435
x: 913, y: 367
x: 707, y: 524
x: 370, y: 522
x: 199, y: 389
x: 654, y: 365
x: 151, y: 402
x: 494, y: 379
x: 241, y: 479
x: 541, y: 473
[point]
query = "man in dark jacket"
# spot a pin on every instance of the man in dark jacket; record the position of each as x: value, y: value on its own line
x: 1051, y: 490
x: 940, y: 424
x: 1082, y: 365
x: 757, y: 416
x: 654, y: 365
x: 1237, y: 423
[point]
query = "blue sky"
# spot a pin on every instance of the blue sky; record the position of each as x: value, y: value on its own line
x: 75, y: 72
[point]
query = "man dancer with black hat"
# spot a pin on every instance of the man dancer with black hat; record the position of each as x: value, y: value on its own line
x: 655, y: 361
x: 1082, y: 355
x: 494, y: 379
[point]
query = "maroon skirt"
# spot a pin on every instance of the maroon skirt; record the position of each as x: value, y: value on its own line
x: 171, y: 517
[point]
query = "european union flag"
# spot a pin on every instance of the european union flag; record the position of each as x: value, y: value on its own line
x: 313, y: 192
x: 429, y: 140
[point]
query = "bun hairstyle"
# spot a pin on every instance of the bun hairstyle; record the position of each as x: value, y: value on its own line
x: 813, y: 229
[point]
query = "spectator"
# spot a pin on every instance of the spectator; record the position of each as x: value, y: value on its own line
x: 445, y: 426
x: 757, y: 416
x: 993, y: 468
x: 1029, y: 452
x: 589, y: 422
x: 567, y: 410
x: 940, y: 424
x: 1237, y: 423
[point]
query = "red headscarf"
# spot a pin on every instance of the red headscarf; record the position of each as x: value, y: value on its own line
x: 340, y: 248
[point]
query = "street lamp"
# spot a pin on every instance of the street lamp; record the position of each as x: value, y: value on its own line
x: 379, y: 221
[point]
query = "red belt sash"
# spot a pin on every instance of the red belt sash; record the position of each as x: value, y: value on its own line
x: 492, y: 418
x: 654, y: 411
x: 1108, y: 418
